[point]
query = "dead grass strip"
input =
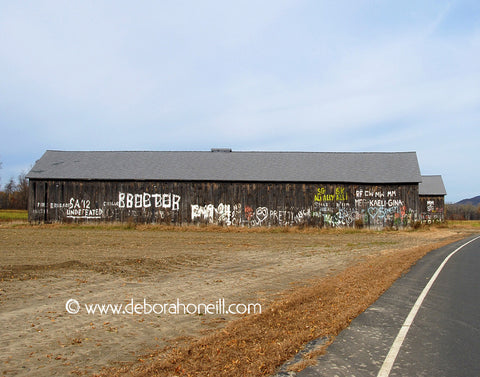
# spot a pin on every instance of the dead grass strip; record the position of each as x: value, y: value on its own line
x: 209, y: 228
x: 257, y: 345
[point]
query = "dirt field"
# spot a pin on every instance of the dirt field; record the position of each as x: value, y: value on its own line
x: 43, y: 267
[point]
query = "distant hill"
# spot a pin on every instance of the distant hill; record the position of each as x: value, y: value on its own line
x: 475, y: 201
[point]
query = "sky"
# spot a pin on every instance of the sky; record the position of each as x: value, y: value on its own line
x: 271, y: 75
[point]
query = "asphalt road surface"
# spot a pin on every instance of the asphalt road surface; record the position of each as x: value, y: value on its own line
x: 441, y: 306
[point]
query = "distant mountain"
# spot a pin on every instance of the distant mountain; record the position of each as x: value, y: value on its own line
x: 475, y: 201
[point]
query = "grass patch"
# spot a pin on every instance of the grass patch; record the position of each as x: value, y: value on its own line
x: 13, y: 215
x: 464, y: 223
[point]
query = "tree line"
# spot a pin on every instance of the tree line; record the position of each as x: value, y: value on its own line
x: 462, y: 212
x: 14, y: 194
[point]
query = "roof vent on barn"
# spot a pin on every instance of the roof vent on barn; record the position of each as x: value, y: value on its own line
x: 224, y: 150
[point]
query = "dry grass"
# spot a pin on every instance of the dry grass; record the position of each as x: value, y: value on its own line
x: 257, y: 345
x: 310, y: 358
x: 209, y: 228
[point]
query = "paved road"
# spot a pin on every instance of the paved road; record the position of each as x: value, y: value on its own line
x: 444, y: 337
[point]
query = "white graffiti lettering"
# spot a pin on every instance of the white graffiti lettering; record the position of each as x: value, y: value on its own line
x: 430, y: 205
x: 144, y: 200
x: 221, y: 214
x: 84, y: 213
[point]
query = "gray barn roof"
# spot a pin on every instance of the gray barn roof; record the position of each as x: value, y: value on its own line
x: 224, y: 165
x: 432, y: 185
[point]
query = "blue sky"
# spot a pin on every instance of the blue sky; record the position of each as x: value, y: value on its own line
x: 251, y: 75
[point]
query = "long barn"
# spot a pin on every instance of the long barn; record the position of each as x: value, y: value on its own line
x: 227, y: 188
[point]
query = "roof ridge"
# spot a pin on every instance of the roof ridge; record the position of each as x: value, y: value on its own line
x: 233, y: 151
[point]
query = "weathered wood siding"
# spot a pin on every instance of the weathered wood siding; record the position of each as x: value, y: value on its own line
x: 432, y: 208
x: 224, y: 203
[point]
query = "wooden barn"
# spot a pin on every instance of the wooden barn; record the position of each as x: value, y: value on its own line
x: 227, y: 188
x: 432, y: 198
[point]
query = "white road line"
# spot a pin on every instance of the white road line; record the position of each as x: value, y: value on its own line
x: 392, y: 354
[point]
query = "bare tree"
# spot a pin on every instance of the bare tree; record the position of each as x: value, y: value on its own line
x: 22, y: 191
x: 15, y: 194
x: 3, y: 195
x: 8, y: 191
x: 463, y: 212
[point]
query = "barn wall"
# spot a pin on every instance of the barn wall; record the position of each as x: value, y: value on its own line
x: 432, y: 208
x: 225, y: 203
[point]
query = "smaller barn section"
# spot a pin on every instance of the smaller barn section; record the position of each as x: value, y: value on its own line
x: 225, y: 187
x: 432, y: 198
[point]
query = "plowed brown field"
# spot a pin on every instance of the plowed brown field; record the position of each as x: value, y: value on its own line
x: 42, y: 267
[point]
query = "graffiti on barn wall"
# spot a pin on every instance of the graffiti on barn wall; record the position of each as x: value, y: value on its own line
x: 73, y: 209
x: 146, y: 200
x: 377, y: 198
x: 430, y: 205
x: 381, y: 207
x: 222, y: 214
x: 129, y: 204
x: 226, y: 214
x: 432, y: 210
x: 372, y: 206
x: 340, y: 194
x: 327, y: 205
x: 81, y: 209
